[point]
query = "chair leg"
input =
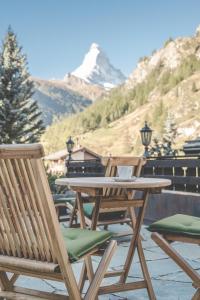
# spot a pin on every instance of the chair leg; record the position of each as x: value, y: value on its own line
x: 196, y: 295
x: 83, y: 277
x: 92, y: 291
x: 145, y: 271
x: 180, y: 261
x: 4, y: 281
x: 90, y: 271
x: 13, y: 279
x: 73, y: 214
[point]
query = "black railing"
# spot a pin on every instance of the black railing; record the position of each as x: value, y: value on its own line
x: 183, y: 171
x: 88, y: 168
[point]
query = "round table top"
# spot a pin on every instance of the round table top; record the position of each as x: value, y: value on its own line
x: 109, y: 182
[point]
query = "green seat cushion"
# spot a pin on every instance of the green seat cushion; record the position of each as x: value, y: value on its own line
x: 88, y: 209
x: 178, y: 224
x: 70, y: 200
x: 80, y: 241
x: 105, y: 216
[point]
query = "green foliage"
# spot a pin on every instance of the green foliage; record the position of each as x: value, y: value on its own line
x: 188, y: 67
x: 159, y: 109
x: 51, y: 179
x: 55, y: 189
x: 177, y: 92
x: 159, y: 116
x: 20, y: 118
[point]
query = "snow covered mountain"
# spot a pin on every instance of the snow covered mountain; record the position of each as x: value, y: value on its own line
x: 97, y: 69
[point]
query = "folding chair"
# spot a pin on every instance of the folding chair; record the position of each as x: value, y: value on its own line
x: 31, y: 240
x: 181, y: 228
x: 115, y: 215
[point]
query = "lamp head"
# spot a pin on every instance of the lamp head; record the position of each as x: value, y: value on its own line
x: 146, y: 134
x: 70, y: 145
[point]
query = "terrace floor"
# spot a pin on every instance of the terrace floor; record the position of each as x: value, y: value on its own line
x: 169, y: 282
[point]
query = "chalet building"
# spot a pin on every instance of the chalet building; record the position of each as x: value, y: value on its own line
x: 56, y: 161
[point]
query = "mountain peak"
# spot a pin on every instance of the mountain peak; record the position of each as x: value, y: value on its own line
x: 94, y: 45
x: 97, y: 69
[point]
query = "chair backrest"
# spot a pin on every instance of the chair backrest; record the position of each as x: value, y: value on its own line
x: 111, y: 164
x: 26, y: 205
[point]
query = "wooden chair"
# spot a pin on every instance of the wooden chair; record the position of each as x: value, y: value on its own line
x: 31, y: 240
x: 112, y: 214
x: 181, y: 228
x: 64, y: 206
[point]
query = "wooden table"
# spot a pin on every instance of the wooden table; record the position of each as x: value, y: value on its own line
x: 94, y: 186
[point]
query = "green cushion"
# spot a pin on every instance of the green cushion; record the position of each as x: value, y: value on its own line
x: 88, y: 209
x: 81, y: 241
x: 70, y: 200
x: 178, y: 224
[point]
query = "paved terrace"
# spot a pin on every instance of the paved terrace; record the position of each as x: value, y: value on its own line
x: 169, y: 282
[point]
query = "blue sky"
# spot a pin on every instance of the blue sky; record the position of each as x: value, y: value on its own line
x: 55, y: 34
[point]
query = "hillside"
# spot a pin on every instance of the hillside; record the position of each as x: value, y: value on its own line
x: 172, y: 85
x: 56, y: 98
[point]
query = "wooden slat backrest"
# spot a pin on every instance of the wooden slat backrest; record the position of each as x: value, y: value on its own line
x: 24, y: 230
x: 111, y: 164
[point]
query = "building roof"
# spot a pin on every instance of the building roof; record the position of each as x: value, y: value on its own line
x: 62, y: 154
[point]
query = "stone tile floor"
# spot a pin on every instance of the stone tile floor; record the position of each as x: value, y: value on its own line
x: 169, y: 282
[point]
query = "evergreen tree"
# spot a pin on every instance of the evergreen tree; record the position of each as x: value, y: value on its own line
x: 20, y: 118
x: 170, y: 129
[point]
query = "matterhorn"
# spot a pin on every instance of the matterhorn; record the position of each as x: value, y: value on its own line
x: 97, y: 69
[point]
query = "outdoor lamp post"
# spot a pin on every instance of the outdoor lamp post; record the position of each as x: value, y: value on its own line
x: 146, y: 133
x: 70, y: 146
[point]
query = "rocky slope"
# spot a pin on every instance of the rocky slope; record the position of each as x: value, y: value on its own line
x: 169, y: 57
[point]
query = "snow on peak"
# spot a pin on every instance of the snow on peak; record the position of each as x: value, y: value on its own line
x: 94, y: 45
x: 97, y: 69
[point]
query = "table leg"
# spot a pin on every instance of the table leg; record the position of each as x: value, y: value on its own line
x: 134, y: 240
x: 80, y: 210
x: 95, y: 214
x: 73, y: 214
x: 135, y: 244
